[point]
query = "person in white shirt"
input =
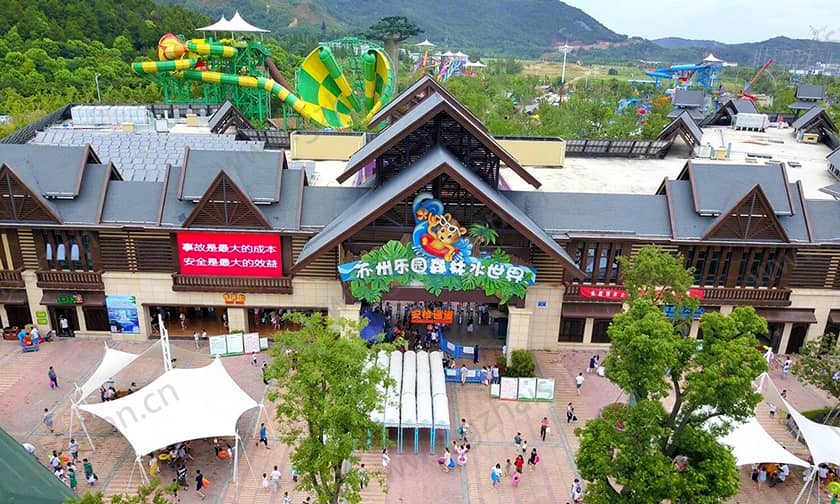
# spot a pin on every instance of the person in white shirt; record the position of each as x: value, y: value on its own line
x: 275, y: 479
x: 579, y: 382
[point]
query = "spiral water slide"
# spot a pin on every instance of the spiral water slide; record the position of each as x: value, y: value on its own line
x: 171, y: 52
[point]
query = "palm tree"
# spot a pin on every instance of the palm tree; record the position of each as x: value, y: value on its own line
x: 482, y: 234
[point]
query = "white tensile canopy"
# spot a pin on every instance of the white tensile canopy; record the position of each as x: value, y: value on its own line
x: 409, y: 381
x: 448, y: 54
x: 712, y: 59
x: 823, y: 440
x: 408, y: 411
x: 751, y: 444
x: 221, y: 25
x: 441, y: 411
x: 475, y: 64
x: 438, y: 376
x: 180, y: 405
x: 378, y: 414
x: 239, y: 25
x: 392, y: 403
x: 112, y: 363
x: 425, y: 43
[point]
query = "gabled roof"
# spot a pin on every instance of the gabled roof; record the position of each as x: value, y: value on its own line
x: 436, y: 162
x: 23, y: 479
x: 751, y: 218
x: 416, y: 93
x: 256, y: 172
x: 225, y: 204
x: 727, y: 112
x: 716, y: 186
x: 833, y: 157
x: 810, y: 92
x: 742, y: 106
x: 51, y: 171
x: 802, y: 105
x: 685, y: 126
x: 832, y: 190
x: 416, y: 118
x: 129, y: 202
x: 18, y: 202
x: 226, y: 116
x: 689, y: 98
x: 695, y: 113
x: 814, y: 117
x: 825, y: 214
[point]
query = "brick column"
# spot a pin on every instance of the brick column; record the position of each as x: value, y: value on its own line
x: 783, y: 343
x: 588, y: 326
x: 237, y: 318
x: 519, y: 325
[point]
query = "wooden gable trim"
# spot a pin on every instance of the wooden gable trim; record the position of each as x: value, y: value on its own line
x: 282, y: 165
x: 781, y: 167
x: 103, y: 192
x: 805, y: 214
x: 37, y: 199
x: 666, y: 189
x: 183, y: 175
x: 164, y: 189
x: 755, y: 196
x: 447, y: 107
x: 224, y: 178
x: 478, y: 193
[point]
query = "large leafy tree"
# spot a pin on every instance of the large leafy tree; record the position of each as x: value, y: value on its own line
x: 818, y: 364
x: 392, y: 31
x: 645, y: 451
x: 327, y: 390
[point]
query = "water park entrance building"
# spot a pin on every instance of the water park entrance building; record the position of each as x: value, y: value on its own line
x: 430, y: 232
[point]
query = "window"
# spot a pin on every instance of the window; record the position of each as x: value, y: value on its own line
x: 756, y: 267
x: 699, y: 266
x: 571, y: 330
x: 599, y: 331
x: 597, y: 260
x: 713, y: 267
x: 68, y: 250
x: 96, y: 318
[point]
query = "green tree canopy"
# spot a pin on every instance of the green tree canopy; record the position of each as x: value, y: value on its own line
x: 628, y: 454
x: 328, y: 388
x: 392, y: 31
x: 818, y: 364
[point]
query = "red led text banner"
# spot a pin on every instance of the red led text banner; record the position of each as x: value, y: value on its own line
x: 229, y: 254
x: 619, y: 294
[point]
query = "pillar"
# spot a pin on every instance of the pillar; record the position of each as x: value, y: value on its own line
x: 519, y: 325
x: 33, y: 296
x: 695, y: 328
x: 783, y: 343
x: 588, y: 326
x: 4, y: 317
x: 80, y: 315
x: 237, y: 318
x: 351, y: 312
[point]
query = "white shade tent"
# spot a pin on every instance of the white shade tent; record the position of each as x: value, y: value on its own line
x: 392, y: 396
x: 220, y: 25
x: 823, y: 440
x: 751, y: 444
x: 180, y: 405
x: 409, y: 381
x: 112, y: 363
x: 239, y: 25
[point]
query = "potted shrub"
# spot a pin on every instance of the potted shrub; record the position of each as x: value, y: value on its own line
x: 521, y: 365
x: 501, y: 363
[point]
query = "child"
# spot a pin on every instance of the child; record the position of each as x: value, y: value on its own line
x: 265, y: 482
x: 515, y: 478
x: 772, y: 410
x: 508, y: 467
x: 286, y: 498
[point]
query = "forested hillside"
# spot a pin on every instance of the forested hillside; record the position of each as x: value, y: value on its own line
x: 509, y: 27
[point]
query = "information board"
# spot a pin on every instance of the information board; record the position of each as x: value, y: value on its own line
x: 509, y: 389
x: 234, y: 344
x: 545, y: 389
x: 218, y: 345
x: 527, y: 389
x: 251, y: 342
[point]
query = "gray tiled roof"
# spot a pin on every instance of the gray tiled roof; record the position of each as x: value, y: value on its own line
x: 258, y: 173
x: 412, y: 175
x: 744, y: 106
x: 833, y: 190
x: 84, y: 208
x: 802, y: 105
x: 175, y: 211
x: 689, y: 98
x: 132, y: 202
x: 561, y: 213
x: 834, y: 157
x: 810, y: 92
x: 795, y: 226
x: 688, y: 224
x: 283, y: 215
x: 825, y: 214
x: 47, y: 170
x: 807, y: 117
x: 322, y: 204
x: 682, y: 121
x: 142, y: 156
x: 719, y: 186
x: 696, y: 114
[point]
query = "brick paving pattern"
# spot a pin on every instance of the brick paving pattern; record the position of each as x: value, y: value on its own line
x: 24, y: 393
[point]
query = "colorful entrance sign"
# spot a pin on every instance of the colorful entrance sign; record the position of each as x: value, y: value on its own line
x: 436, y: 316
x: 440, y: 257
x: 122, y: 314
x: 230, y: 254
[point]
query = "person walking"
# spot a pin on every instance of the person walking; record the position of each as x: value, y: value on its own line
x: 63, y: 326
x: 525, y: 447
x: 386, y: 459
x: 508, y: 467
x: 48, y: 419
x: 53, y: 378
x: 543, y: 428
x: 579, y: 382
x: 265, y: 373
x: 576, y: 492
x: 263, y: 436
x: 463, y: 429
x: 592, y: 365
x: 463, y: 374
x: 496, y: 475
x: 519, y: 462
x: 74, y: 450
x: 275, y: 479
x: 286, y: 498
x: 71, y: 474
x: 786, y: 367
x: 265, y: 483
x: 570, y: 413
x: 195, y: 337
x: 90, y: 476
x: 533, y: 459
x: 363, y: 477
x: 517, y: 441
x: 199, y: 481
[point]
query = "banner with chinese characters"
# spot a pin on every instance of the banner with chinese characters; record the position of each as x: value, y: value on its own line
x: 436, y: 316
x: 618, y: 294
x: 441, y: 256
x: 229, y: 254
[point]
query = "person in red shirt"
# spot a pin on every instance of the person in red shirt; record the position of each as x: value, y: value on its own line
x: 543, y: 428
x: 519, y: 463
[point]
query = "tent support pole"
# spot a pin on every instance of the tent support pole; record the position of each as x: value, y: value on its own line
x: 235, y: 457
x: 84, y: 427
x: 806, y: 485
x: 143, y: 474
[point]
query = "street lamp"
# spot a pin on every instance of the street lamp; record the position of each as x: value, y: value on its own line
x: 565, y: 50
x: 98, y: 94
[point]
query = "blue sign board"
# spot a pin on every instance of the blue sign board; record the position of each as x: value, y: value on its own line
x: 671, y: 311
x: 122, y: 314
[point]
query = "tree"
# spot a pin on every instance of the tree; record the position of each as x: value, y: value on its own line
x: 483, y: 234
x: 152, y: 493
x: 819, y: 363
x: 393, y: 30
x: 329, y: 389
x: 642, y: 452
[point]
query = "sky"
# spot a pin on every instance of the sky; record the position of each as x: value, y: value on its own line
x: 755, y: 20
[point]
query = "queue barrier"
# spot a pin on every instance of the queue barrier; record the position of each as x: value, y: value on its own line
x: 458, y: 351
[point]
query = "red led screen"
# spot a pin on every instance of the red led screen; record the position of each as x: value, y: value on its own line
x: 229, y: 254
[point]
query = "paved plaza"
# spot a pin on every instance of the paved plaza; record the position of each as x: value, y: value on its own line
x: 24, y: 393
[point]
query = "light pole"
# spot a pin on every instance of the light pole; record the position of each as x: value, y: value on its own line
x: 98, y: 94
x: 565, y: 50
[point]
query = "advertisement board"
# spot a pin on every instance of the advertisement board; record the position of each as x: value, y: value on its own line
x: 509, y: 389
x: 234, y: 344
x: 251, y: 341
x: 229, y: 254
x: 545, y: 389
x: 527, y: 389
x: 122, y: 314
x: 218, y: 345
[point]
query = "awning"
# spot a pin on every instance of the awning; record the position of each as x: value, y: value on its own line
x: 590, y: 310
x: 63, y: 298
x: 793, y: 315
x: 12, y: 297
x: 834, y: 317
